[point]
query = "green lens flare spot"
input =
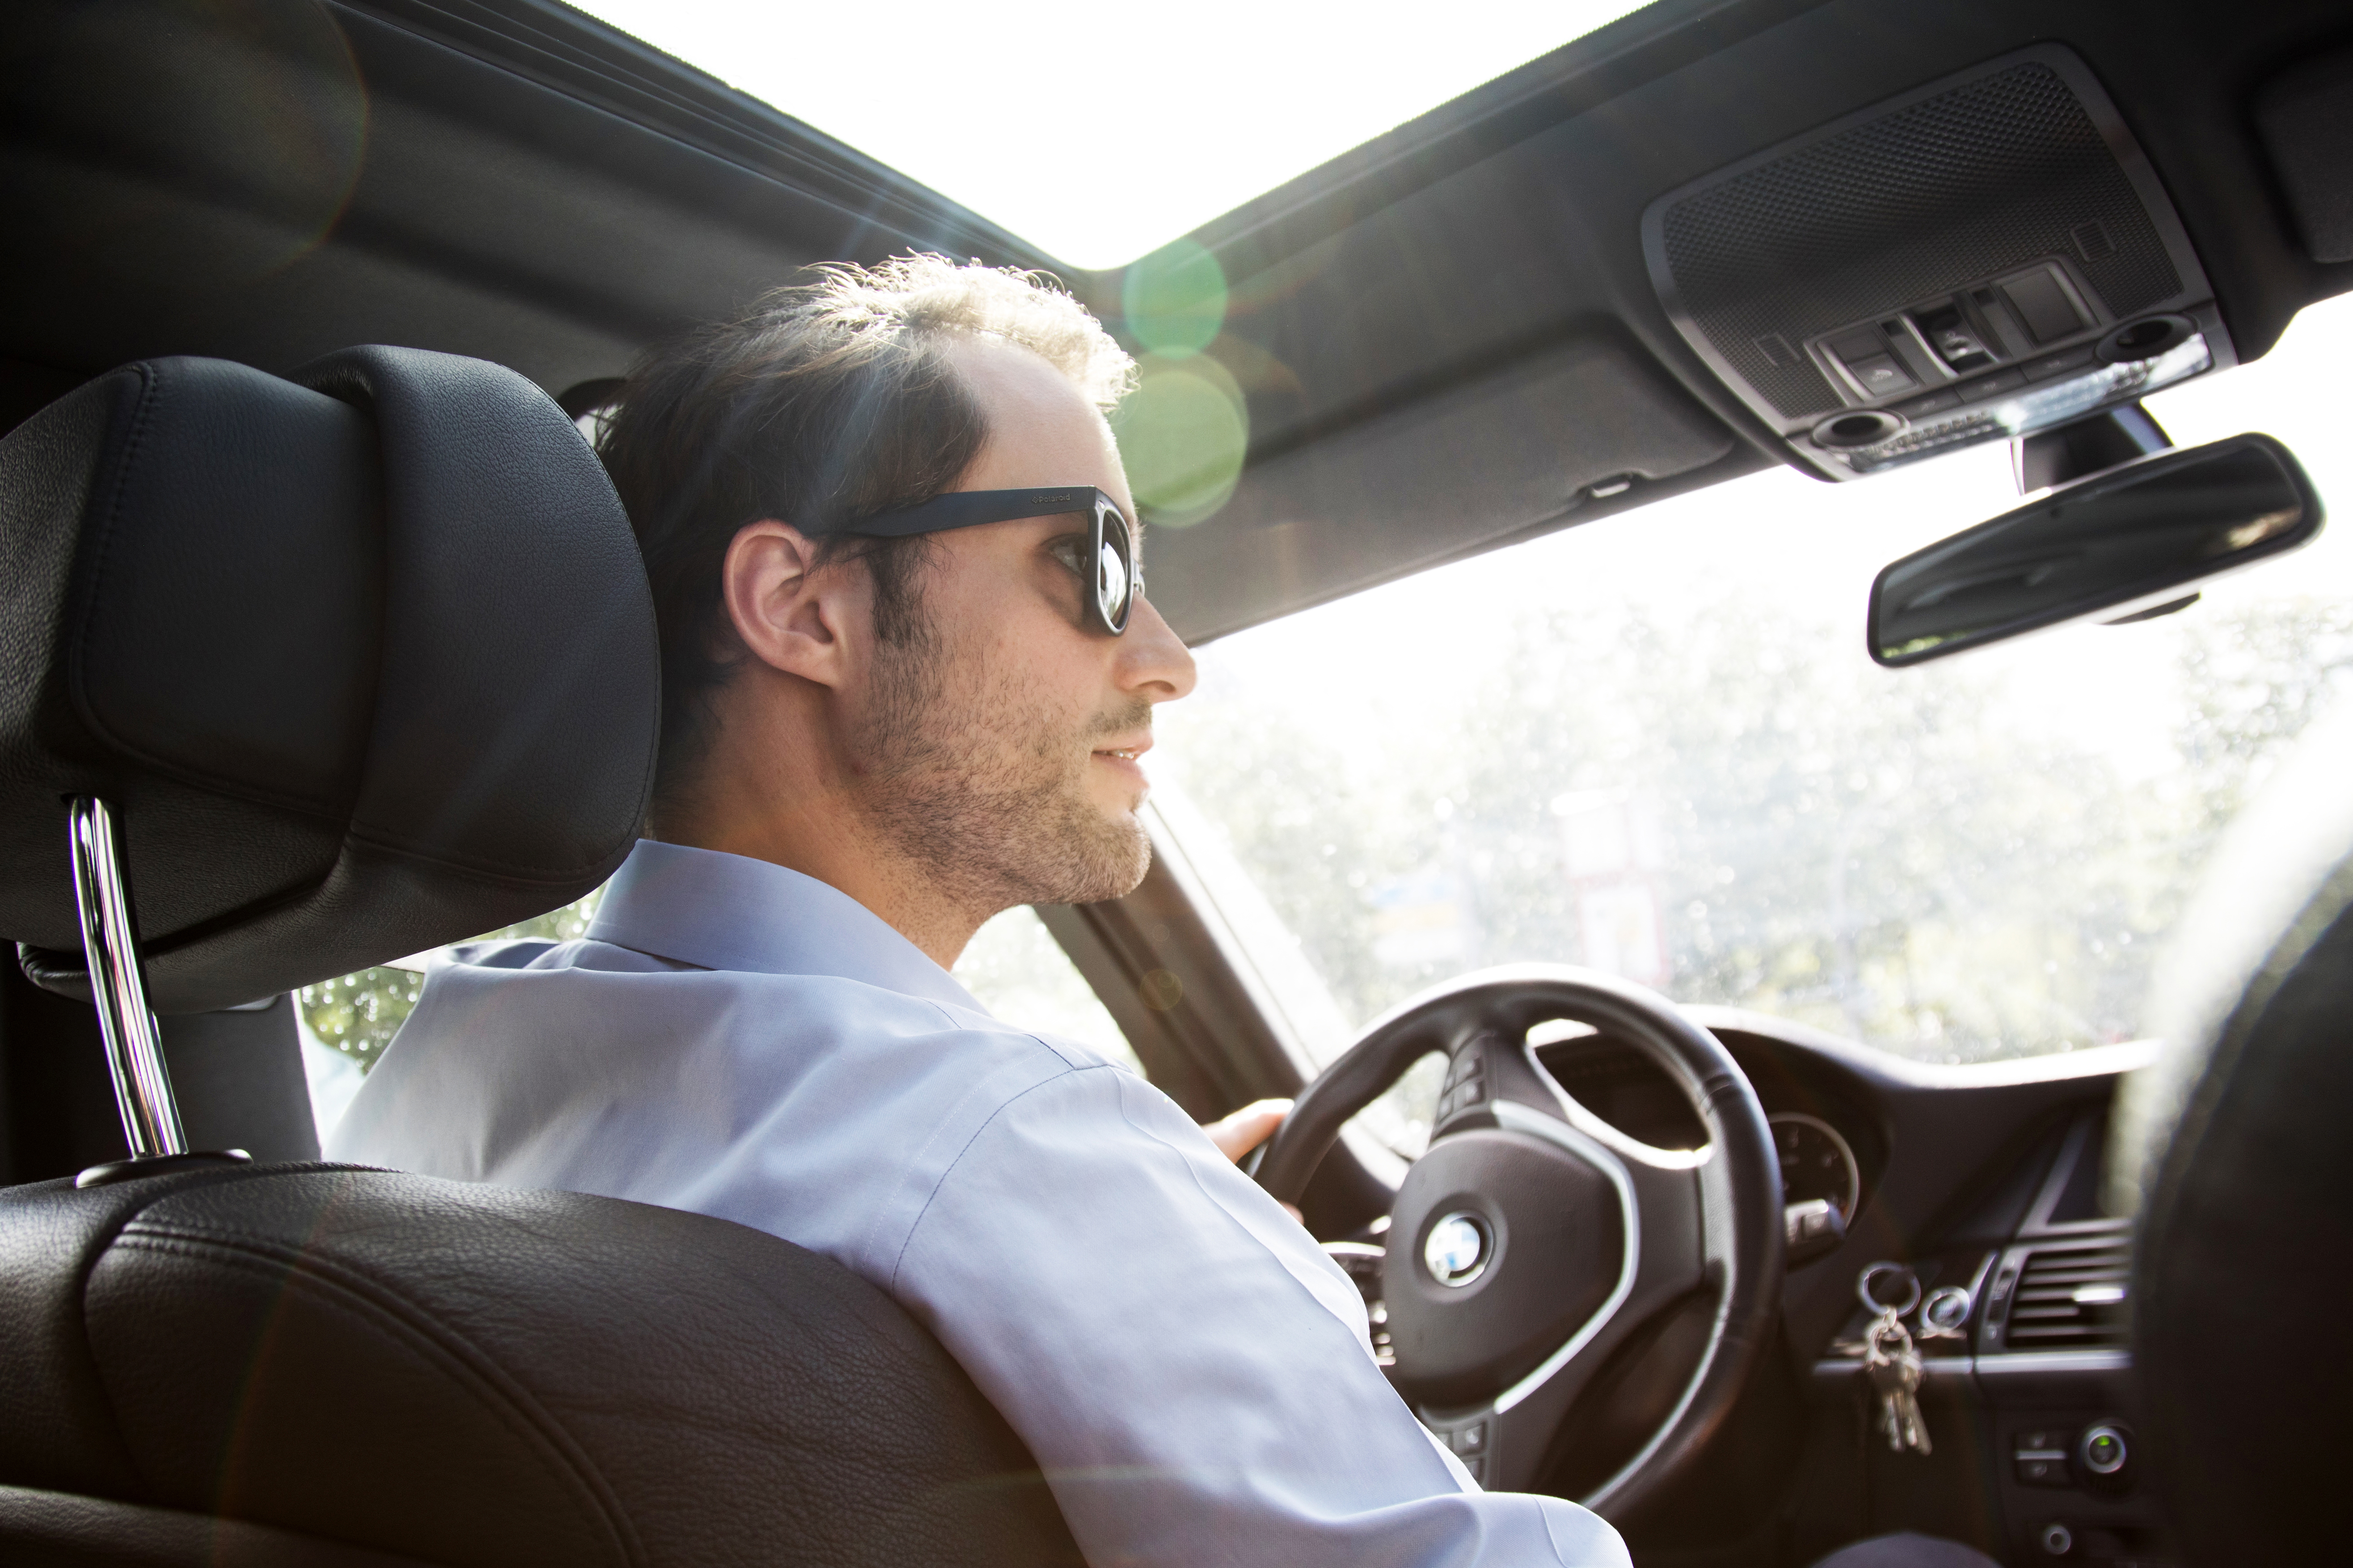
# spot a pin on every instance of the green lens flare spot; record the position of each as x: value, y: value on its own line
x: 1175, y: 299
x: 1183, y: 434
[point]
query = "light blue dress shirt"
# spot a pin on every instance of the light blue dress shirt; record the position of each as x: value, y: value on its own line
x: 1193, y: 1373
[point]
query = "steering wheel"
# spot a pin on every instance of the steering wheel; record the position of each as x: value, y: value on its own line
x: 1534, y: 1239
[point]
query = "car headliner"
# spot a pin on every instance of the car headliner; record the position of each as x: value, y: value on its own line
x: 1446, y: 336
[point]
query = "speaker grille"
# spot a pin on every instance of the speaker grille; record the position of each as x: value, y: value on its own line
x: 1990, y: 176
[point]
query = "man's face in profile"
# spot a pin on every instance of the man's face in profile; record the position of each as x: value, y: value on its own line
x: 1003, y: 745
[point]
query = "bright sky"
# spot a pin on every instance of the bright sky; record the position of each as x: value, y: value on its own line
x: 1813, y: 549
x: 1101, y: 131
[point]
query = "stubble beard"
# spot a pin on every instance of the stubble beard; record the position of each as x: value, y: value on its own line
x: 983, y: 789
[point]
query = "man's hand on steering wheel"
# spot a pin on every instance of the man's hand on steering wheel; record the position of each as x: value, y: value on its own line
x: 1242, y: 1130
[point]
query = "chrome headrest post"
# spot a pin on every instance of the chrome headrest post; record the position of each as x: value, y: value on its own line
x: 134, y: 1050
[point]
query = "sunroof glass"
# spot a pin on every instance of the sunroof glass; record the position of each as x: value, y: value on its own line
x: 1215, y: 101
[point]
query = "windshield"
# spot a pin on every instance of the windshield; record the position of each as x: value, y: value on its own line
x: 1656, y: 746
x: 1099, y: 133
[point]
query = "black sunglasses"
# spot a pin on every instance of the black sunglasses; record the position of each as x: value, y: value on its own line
x: 1111, y: 539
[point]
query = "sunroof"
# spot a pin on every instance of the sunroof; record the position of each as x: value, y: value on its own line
x: 1100, y: 131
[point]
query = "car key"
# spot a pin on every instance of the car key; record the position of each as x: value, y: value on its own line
x: 1896, y: 1372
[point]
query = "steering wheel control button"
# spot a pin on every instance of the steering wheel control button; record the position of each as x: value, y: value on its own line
x: 2042, y: 1458
x: 1465, y: 1084
x: 1458, y: 1249
x: 1469, y: 1440
x: 1471, y: 1091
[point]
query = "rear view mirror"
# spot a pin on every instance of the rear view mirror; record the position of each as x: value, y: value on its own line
x: 2118, y: 543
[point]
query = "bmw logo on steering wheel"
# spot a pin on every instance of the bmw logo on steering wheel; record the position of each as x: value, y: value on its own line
x: 1458, y: 1249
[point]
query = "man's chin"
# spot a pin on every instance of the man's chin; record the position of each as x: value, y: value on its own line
x: 1109, y: 862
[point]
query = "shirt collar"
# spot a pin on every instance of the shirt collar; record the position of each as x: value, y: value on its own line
x: 717, y: 910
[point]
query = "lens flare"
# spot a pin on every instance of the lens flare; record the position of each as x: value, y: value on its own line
x: 224, y: 145
x: 1175, y: 299
x: 1183, y: 434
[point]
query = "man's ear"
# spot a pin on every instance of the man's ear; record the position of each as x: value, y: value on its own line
x: 790, y: 612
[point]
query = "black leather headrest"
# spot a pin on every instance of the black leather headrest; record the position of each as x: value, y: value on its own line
x: 364, y: 661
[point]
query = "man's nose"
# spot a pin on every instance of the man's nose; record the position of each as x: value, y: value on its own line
x: 1154, y: 661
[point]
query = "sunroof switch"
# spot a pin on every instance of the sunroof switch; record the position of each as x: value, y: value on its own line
x: 1957, y: 340
x: 1871, y: 361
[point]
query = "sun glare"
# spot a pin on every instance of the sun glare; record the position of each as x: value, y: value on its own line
x: 1098, y: 132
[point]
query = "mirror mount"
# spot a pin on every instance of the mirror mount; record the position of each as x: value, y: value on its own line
x: 2109, y: 439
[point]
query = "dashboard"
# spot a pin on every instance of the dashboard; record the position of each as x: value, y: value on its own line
x: 1973, y: 1193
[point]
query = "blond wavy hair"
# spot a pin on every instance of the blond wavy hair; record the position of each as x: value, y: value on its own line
x: 925, y: 295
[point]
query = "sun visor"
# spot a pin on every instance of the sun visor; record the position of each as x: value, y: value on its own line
x: 1483, y: 463
x: 1984, y: 256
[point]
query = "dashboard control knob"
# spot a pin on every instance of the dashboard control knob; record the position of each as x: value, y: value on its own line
x: 2103, y: 1449
x: 2056, y: 1539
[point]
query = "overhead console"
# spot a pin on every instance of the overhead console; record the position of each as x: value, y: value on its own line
x: 1985, y: 257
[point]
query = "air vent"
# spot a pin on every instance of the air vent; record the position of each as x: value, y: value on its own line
x: 2072, y: 1297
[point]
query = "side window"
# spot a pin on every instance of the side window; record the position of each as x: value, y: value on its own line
x: 357, y: 1014
x: 1016, y: 969
x: 1013, y: 967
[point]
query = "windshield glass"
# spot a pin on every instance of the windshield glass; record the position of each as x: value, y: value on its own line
x: 1656, y: 746
x: 1099, y: 133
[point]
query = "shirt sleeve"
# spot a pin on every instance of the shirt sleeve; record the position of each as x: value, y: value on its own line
x: 1189, y: 1369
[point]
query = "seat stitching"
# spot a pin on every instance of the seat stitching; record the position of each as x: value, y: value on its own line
x: 499, y: 1394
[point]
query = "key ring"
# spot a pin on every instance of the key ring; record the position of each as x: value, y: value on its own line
x: 1870, y: 1276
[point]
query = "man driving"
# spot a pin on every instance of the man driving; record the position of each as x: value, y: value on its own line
x: 909, y: 676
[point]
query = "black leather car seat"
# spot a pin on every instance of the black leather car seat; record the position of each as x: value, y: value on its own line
x: 364, y: 662
x: 2237, y: 1148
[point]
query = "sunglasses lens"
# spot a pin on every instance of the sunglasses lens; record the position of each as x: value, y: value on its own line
x: 1111, y: 583
x: 1114, y: 572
